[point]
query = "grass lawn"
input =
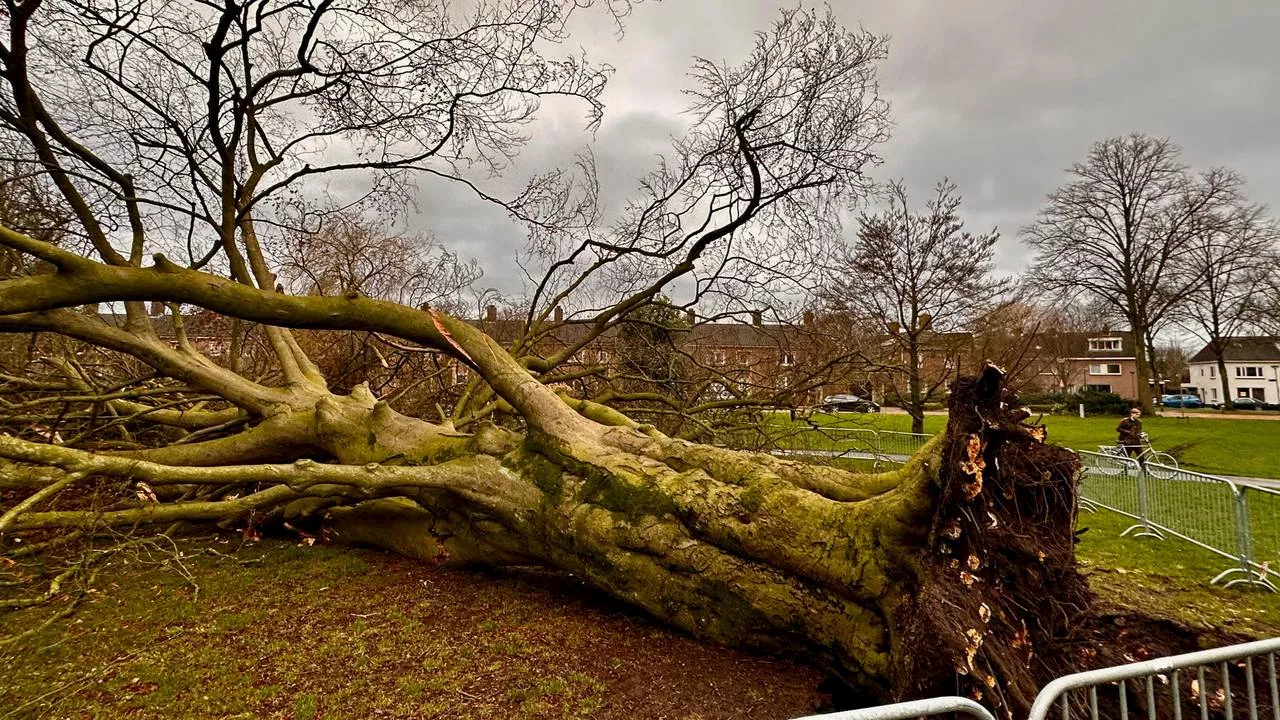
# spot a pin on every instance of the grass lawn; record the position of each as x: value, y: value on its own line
x: 301, y: 633
x: 1244, y: 447
x: 1170, y: 577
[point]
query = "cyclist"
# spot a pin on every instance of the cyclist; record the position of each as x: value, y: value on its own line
x: 1130, y: 432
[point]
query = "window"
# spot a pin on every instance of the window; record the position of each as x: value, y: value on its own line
x: 1104, y: 369
x: 1213, y: 371
x: 1213, y: 392
x: 1249, y: 371
x: 1201, y: 372
x: 1097, y: 344
x: 1099, y: 388
x: 788, y: 359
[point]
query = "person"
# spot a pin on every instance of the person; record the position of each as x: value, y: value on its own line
x: 1130, y: 432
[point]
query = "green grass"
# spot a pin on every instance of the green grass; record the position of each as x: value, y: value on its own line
x: 1246, y: 447
x: 1170, y: 577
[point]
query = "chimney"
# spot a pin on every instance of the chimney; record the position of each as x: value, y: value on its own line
x: 491, y: 313
x: 756, y: 317
x: 893, y: 327
x: 691, y: 317
x: 808, y: 317
x: 558, y: 314
x: 157, y: 308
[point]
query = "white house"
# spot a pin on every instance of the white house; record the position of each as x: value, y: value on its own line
x: 1253, y: 370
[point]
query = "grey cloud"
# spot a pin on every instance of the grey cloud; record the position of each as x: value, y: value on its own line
x: 1001, y: 96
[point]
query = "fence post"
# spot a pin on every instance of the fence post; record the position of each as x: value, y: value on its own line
x: 1244, y: 534
x: 1144, y: 528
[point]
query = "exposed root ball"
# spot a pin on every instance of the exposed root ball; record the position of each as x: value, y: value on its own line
x: 1000, y: 592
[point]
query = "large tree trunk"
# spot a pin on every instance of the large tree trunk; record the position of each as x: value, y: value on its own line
x: 914, y: 386
x: 955, y: 569
x: 1220, y: 356
x: 1143, y: 379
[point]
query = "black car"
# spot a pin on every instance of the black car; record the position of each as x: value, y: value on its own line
x: 847, y: 403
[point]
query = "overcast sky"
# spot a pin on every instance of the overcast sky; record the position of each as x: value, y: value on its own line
x: 999, y: 95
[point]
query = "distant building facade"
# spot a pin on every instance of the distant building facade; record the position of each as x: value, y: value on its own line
x: 1073, y: 361
x: 1252, y: 367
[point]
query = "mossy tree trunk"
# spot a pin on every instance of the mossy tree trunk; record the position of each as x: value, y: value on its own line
x: 901, y: 583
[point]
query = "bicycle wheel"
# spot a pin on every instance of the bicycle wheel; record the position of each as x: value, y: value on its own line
x: 1162, y: 465
x: 1111, y: 461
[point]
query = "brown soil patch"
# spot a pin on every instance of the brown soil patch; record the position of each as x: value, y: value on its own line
x: 304, y: 633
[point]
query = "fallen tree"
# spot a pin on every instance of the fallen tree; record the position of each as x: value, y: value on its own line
x: 958, y: 565
x: 955, y: 572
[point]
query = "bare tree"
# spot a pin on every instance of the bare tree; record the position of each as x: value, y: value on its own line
x: 918, y: 276
x: 1268, y: 307
x: 1173, y: 362
x: 1120, y: 231
x: 184, y: 132
x: 1232, y: 253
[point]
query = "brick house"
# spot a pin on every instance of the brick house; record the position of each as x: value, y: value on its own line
x: 794, y: 364
x: 1072, y: 361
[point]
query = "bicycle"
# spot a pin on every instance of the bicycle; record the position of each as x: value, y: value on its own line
x: 1165, y: 466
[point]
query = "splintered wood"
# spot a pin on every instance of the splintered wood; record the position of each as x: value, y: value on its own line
x: 973, y: 467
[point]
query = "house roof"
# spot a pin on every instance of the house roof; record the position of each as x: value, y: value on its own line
x: 1263, y: 348
x: 1076, y: 344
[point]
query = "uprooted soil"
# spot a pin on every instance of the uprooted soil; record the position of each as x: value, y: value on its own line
x: 272, y: 630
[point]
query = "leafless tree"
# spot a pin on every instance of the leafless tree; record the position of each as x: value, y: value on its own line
x: 1268, y: 315
x: 1121, y: 230
x: 1232, y: 253
x: 1172, y: 364
x: 917, y: 277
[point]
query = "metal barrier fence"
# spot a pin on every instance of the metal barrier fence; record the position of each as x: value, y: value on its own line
x: 836, y: 442
x: 914, y: 709
x: 1229, y: 519
x: 902, y: 444
x: 1208, y: 688
x: 1220, y: 682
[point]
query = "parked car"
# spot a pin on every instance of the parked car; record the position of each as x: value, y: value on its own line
x: 847, y: 403
x: 1247, y: 403
x: 1182, y: 401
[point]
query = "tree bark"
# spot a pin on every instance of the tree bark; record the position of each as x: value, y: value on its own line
x: 916, y: 404
x: 1219, y: 354
x: 1143, y: 374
